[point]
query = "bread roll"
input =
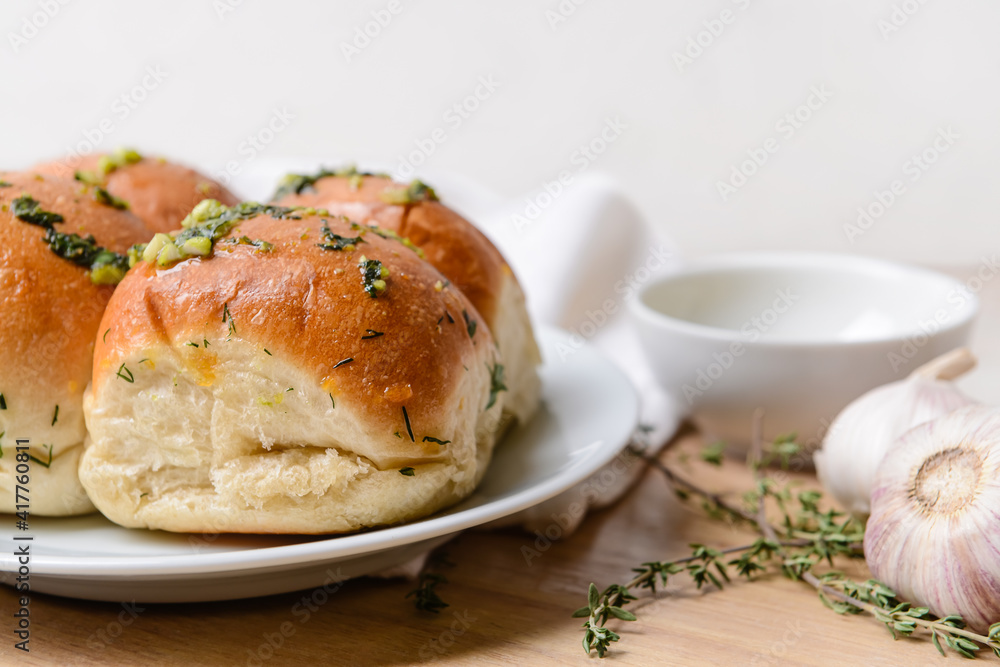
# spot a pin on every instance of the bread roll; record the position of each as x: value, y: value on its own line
x: 162, y: 193
x: 453, y: 245
x: 50, y: 312
x: 276, y: 386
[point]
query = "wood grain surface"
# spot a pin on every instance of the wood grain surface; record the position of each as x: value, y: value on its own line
x: 507, y: 608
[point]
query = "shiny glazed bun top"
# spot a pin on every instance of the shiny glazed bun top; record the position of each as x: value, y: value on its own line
x: 160, y: 192
x: 280, y: 370
x: 452, y: 244
x: 62, y: 249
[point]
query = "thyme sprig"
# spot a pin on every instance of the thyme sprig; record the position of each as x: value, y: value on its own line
x: 425, y: 596
x: 805, y: 537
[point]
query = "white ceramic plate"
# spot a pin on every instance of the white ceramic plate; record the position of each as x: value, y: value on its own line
x: 589, y: 412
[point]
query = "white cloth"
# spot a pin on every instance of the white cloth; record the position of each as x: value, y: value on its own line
x: 580, y: 255
x: 581, y: 260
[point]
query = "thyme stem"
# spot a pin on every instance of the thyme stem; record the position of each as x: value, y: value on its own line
x: 756, y: 454
x: 679, y: 482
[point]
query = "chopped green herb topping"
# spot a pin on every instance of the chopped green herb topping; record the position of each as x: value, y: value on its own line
x: 28, y: 210
x: 261, y: 246
x: 415, y: 192
x: 125, y: 374
x: 470, y: 324
x: 428, y: 438
x: 5, y: 184
x: 297, y: 183
x: 406, y: 418
x: 496, y: 384
x: 119, y: 158
x: 106, y: 267
x: 408, y: 472
x: 267, y: 352
x: 371, y: 333
x: 104, y: 338
x: 396, y: 433
x: 373, y: 276
x: 44, y: 464
x: 207, y: 223
x: 102, y: 196
x: 3, y: 402
x: 192, y: 344
x: 88, y: 177
x: 227, y: 317
x: 451, y: 320
x: 332, y: 402
x: 389, y: 234
x: 343, y: 361
x: 55, y: 417
x: 336, y: 241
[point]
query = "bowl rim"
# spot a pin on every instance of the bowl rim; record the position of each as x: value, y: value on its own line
x: 859, y: 264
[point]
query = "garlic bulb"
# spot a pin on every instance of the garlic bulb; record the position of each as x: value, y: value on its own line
x: 860, y: 435
x: 934, y: 533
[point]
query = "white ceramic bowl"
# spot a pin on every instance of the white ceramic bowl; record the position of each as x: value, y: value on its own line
x: 797, y: 334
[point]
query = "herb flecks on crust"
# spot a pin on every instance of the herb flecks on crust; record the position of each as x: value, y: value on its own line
x: 102, y: 196
x: 26, y: 209
x: 496, y: 384
x: 333, y: 241
x: 373, y: 275
x: 414, y: 193
x: 207, y: 223
x: 294, y: 184
x: 120, y: 157
x: 106, y: 267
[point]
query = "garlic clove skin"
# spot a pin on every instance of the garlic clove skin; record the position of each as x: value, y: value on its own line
x: 862, y: 433
x: 934, y: 531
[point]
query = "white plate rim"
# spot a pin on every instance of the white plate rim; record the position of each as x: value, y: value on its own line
x: 278, y: 557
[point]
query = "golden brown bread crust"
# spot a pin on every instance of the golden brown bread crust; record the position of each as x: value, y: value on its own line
x: 49, y: 314
x: 451, y: 243
x: 51, y: 310
x: 160, y: 192
x: 267, y: 391
x: 307, y: 306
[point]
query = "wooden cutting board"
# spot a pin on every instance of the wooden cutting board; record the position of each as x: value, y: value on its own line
x: 511, y: 596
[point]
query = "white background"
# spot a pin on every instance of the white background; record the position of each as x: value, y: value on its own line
x: 559, y: 82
